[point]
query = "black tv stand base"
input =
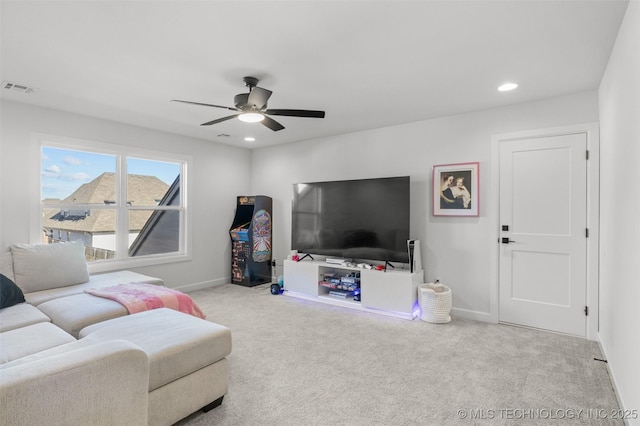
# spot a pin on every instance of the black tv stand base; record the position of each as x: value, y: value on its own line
x: 304, y: 257
x: 387, y: 263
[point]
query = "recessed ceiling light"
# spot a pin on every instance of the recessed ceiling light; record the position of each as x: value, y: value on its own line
x: 249, y: 139
x: 507, y: 86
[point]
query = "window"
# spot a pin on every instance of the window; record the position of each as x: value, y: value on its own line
x: 125, y: 206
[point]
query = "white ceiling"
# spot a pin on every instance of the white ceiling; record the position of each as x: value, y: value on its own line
x: 368, y: 64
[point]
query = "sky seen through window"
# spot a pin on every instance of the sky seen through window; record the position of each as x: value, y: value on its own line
x: 64, y: 170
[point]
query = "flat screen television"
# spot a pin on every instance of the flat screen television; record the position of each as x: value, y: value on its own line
x: 364, y: 219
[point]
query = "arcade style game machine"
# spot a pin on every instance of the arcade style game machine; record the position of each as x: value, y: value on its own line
x: 251, y: 241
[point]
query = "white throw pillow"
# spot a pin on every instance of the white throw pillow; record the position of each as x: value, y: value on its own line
x: 44, y: 266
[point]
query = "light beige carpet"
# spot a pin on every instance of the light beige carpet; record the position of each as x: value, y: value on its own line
x: 297, y: 362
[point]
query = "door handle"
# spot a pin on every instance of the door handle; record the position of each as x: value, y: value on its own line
x: 506, y: 240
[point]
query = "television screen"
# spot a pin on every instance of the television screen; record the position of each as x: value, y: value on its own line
x: 365, y: 219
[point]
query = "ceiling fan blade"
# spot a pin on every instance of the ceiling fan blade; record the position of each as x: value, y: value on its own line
x: 272, y: 124
x: 259, y: 97
x: 201, y: 104
x: 296, y: 113
x: 219, y: 120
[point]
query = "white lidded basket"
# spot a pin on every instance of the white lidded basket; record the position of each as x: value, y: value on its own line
x: 435, y: 302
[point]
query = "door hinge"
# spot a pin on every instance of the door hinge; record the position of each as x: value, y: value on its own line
x: 586, y: 232
x: 587, y: 155
x: 586, y: 311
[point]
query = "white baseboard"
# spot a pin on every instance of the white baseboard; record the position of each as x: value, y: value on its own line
x: 202, y: 285
x: 471, y: 315
x: 612, y: 378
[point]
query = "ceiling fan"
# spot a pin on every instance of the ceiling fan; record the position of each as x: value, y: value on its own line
x: 252, y: 107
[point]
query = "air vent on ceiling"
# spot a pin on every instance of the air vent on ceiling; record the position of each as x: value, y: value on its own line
x: 17, y: 87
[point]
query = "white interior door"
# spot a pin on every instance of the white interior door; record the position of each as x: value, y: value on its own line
x: 543, y: 219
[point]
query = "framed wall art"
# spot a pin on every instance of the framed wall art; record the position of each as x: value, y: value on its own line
x: 456, y: 189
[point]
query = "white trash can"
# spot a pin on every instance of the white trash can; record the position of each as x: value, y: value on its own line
x: 435, y: 302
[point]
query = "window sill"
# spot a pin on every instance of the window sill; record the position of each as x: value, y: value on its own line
x: 120, y: 264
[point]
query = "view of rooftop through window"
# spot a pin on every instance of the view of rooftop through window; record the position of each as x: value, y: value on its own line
x: 64, y: 170
x: 80, y: 200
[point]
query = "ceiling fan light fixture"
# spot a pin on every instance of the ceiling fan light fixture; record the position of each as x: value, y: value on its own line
x: 506, y: 87
x: 251, y: 117
x: 252, y: 108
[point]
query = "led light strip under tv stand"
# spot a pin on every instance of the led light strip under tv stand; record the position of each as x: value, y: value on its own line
x: 393, y: 292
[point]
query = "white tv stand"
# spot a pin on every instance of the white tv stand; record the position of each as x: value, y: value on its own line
x: 391, y: 292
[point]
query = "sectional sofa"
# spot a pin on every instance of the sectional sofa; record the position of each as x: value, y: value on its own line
x: 71, y: 358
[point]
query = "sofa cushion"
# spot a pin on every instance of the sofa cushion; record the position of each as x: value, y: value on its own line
x: 31, y: 339
x: 177, y: 344
x: 95, y: 281
x: 73, y: 313
x: 10, y: 293
x: 47, y: 353
x: 20, y: 315
x: 45, y: 266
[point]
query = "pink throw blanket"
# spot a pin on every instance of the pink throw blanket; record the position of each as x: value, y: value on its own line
x: 138, y: 297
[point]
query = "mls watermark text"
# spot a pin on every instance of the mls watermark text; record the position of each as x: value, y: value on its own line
x: 546, y: 414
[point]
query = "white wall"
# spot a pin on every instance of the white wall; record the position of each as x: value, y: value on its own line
x: 219, y: 174
x: 456, y: 250
x: 620, y: 211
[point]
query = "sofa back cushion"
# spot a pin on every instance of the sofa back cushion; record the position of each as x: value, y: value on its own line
x: 39, y: 267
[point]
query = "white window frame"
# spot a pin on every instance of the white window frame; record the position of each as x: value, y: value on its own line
x: 121, y: 152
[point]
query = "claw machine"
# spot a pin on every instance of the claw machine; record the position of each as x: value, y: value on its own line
x: 251, y: 241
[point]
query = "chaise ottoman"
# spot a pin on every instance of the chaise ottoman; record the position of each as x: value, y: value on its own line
x: 187, y: 365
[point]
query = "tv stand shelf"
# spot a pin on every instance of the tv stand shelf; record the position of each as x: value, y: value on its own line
x: 393, y: 293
